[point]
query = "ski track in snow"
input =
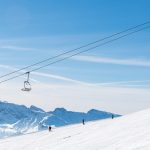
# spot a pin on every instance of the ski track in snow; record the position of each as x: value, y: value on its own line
x: 130, y: 132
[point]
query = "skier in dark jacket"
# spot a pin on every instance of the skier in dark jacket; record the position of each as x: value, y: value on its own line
x: 49, y: 128
x: 83, y: 121
x: 112, y: 116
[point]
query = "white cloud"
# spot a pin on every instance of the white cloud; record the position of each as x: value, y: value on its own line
x: 46, y: 75
x: 130, y: 62
x: 13, y: 69
x: 7, y: 67
x: 60, y: 78
x: 67, y: 79
x: 122, y: 82
x: 17, y: 48
x: 80, y: 96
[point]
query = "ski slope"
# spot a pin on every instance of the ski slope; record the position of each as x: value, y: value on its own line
x: 130, y: 132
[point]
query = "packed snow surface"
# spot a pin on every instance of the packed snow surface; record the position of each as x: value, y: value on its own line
x: 130, y: 132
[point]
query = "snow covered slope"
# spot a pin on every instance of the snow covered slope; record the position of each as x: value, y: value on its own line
x: 18, y: 119
x: 131, y: 132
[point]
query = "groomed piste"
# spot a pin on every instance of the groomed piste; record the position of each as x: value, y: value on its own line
x: 130, y: 132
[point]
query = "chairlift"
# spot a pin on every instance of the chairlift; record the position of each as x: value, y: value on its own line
x: 27, y: 85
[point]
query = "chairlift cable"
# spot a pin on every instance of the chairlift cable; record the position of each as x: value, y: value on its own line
x: 105, y: 38
x: 105, y: 43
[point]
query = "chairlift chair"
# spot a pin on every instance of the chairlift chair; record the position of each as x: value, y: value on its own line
x: 27, y: 85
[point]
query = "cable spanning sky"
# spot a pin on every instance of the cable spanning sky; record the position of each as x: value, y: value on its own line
x: 115, y: 77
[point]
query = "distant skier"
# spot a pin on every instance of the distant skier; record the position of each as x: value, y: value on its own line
x: 49, y: 128
x: 83, y: 121
x: 112, y: 116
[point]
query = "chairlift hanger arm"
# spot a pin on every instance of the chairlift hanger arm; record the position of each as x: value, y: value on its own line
x: 27, y: 85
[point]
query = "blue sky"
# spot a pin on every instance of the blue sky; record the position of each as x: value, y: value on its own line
x: 114, y: 77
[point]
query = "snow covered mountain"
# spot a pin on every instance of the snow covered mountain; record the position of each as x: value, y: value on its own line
x: 130, y: 132
x: 17, y: 119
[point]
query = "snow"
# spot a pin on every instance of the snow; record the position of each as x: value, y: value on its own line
x: 130, y: 132
x: 18, y: 119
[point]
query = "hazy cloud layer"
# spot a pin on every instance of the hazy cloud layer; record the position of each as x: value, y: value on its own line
x: 116, y: 61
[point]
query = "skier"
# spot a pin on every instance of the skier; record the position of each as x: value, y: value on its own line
x: 49, y: 128
x: 83, y: 122
x: 112, y: 116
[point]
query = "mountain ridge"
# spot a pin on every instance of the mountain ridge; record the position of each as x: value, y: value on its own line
x: 19, y: 119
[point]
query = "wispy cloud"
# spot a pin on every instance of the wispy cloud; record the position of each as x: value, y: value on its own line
x: 108, y: 96
x: 6, y: 67
x: 116, y: 61
x: 14, y: 69
x: 60, y: 78
x: 133, y: 83
x: 123, y: 82
x: 17, y: 48
x: 57, y: 77
x: 49, y: 96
